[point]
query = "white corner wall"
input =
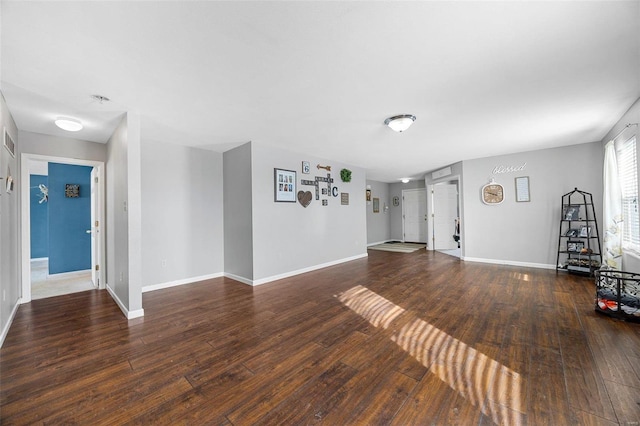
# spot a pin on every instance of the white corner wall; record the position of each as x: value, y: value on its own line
x: 57, y: 146
x: 289, y: 238
x: 238, y: 231
x: 182, y: 215
x: 378, y: 224
x: 9, y: 225
x: 124, y: 242
x: 526, y: 233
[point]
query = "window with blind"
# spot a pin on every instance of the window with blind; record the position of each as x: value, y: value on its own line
x: 628, y: 173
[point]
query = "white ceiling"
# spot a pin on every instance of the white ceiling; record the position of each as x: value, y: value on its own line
x: 319, y: 78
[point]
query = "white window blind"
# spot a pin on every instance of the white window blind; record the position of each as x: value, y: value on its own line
x: 628, y: 173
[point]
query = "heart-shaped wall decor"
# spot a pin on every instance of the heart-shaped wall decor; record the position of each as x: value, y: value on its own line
x: 304, y: 198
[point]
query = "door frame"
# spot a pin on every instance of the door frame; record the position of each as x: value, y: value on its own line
x: 404, y: 191
x: 430, y: 224
x: 25, y: 214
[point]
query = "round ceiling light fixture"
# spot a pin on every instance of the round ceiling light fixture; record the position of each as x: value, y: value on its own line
x: 405, y: 180
x: 69, y: 124
x: 401, y: 122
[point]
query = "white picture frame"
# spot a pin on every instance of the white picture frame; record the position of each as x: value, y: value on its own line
x: 523, y: 194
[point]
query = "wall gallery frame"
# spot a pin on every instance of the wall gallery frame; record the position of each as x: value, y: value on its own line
x: 522, y: 189
x: 284, y: 186
x: 376, y: 205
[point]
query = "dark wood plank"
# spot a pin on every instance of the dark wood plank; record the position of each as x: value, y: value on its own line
x: 433, y: 340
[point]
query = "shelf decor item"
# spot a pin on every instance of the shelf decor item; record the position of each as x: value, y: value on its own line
x: 284, y: 186
x: 585, y: 231
x: 575, y: 246
x: 572, y: 233
x: 571, y: 212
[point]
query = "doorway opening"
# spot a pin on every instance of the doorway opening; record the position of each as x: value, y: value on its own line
x: 62, y: 214
x: 445, y: 221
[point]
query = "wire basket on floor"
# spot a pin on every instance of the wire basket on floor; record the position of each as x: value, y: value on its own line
x: 618, y: 294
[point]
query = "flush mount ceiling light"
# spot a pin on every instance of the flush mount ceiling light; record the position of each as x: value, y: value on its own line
x: 401, y: 122
x: 405, y: 180
x: 68, y: 124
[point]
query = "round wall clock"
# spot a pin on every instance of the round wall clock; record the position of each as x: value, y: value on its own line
x: 492, y: 193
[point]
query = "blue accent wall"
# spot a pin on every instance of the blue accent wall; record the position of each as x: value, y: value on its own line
x: 69, y: 219
x: 39, y: 218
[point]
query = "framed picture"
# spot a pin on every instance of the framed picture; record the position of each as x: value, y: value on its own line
x: 306, y: 167
x: 522, y: 189
x: 368, y: 194
x: 575, y: 246
x: 585, y: 231
x: 72, y: 190
x: 572, y: 233
x: 284, y: 185
x: 376, y: 205
x: 396, y: 201
x: 571, y: 212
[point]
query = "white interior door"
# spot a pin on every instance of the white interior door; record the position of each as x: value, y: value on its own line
x: 95, y: 228
x: 414, y: 215
x: 445, y: 213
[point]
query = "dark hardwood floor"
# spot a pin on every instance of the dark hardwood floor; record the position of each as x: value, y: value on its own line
x: 418, y: 338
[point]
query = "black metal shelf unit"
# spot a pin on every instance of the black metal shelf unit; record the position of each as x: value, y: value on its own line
x: 579, y: 248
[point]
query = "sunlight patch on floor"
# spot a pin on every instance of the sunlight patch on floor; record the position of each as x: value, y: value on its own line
x: 492, y: 387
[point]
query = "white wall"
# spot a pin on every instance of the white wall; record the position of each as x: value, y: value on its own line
x: 182, y: 214
x: 630, y: 262
x: 289, y: 238
x: 527, y: 233
x: 378, y: 224
x: 238, y: 231
x: 124, y: 272
x: 9, y: 225
x: 56, y: 146
x: 395, y: 212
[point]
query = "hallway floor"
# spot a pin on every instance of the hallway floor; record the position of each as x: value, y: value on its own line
x: 43, y: 285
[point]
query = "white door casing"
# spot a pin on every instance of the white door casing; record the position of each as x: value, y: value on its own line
x: 25, y: 231
x: 95, y: 228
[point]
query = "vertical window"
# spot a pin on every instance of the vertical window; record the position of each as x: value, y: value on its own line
x: 628, y: 172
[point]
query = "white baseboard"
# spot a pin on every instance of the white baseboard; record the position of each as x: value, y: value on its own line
x: 7, y: 326
x: 292, y: 273
x: 238, y: 278
x: 39, y: 259
x: 175, y: 283
x: 128, y: 314
x: 509, y: 263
